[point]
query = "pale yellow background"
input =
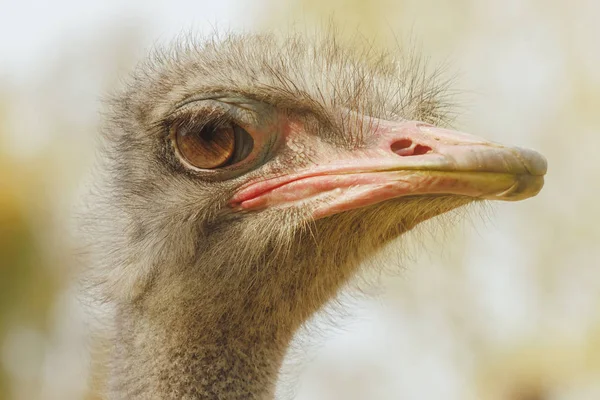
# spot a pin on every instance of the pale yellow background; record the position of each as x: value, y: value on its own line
x: 505, y: 305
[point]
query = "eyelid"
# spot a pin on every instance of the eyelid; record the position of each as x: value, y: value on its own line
x: 212, y: 110
x: 197, y: 98
x: 225, y: 98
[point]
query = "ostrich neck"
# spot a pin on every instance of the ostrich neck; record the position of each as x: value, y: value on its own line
x: 193, y: 339
x: 180, y: 353
x: 201, y: 332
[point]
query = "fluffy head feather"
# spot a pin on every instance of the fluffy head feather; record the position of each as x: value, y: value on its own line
x: 167, y: 249
x: 149, y: 214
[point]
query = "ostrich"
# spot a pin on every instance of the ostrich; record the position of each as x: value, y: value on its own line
x: 243, y: 181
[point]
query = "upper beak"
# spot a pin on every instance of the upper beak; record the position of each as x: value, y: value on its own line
x: 402, y: 159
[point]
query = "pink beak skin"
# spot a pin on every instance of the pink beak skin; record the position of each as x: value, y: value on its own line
x: 406, y: 158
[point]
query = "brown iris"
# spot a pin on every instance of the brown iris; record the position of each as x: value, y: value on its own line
x: 208, y: 147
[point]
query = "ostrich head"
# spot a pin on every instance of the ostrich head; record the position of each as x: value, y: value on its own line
x: 242, y: 183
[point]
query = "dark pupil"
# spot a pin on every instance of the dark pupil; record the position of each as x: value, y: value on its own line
x: 214, y: 146
x: 208, y: 134
x: 209, y: 147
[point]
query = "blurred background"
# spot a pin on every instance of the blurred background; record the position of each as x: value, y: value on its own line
x: 503, y: 306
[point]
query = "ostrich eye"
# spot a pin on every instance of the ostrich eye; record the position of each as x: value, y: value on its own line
x: 212, y: 146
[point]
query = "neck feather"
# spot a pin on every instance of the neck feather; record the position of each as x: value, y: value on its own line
x: 180, y: 357
x: 200, y: 332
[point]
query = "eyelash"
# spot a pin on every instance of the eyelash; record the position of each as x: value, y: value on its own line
x: 200, y: 117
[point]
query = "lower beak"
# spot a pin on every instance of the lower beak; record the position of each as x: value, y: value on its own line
x: 405, y: 159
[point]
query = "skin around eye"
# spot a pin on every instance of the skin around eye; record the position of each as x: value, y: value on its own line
x: 224, y: 139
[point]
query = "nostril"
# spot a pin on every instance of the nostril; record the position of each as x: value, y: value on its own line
x: 406, y: 147
x: 402, y: 147
x: 420, y: 150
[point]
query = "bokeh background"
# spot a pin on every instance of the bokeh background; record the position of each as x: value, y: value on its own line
x: 502, y: 306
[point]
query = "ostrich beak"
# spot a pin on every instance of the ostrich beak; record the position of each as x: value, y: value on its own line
x: 405, y: 159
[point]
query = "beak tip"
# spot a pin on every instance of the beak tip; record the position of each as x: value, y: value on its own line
x: 535, y: 163
x: 524, y: 187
